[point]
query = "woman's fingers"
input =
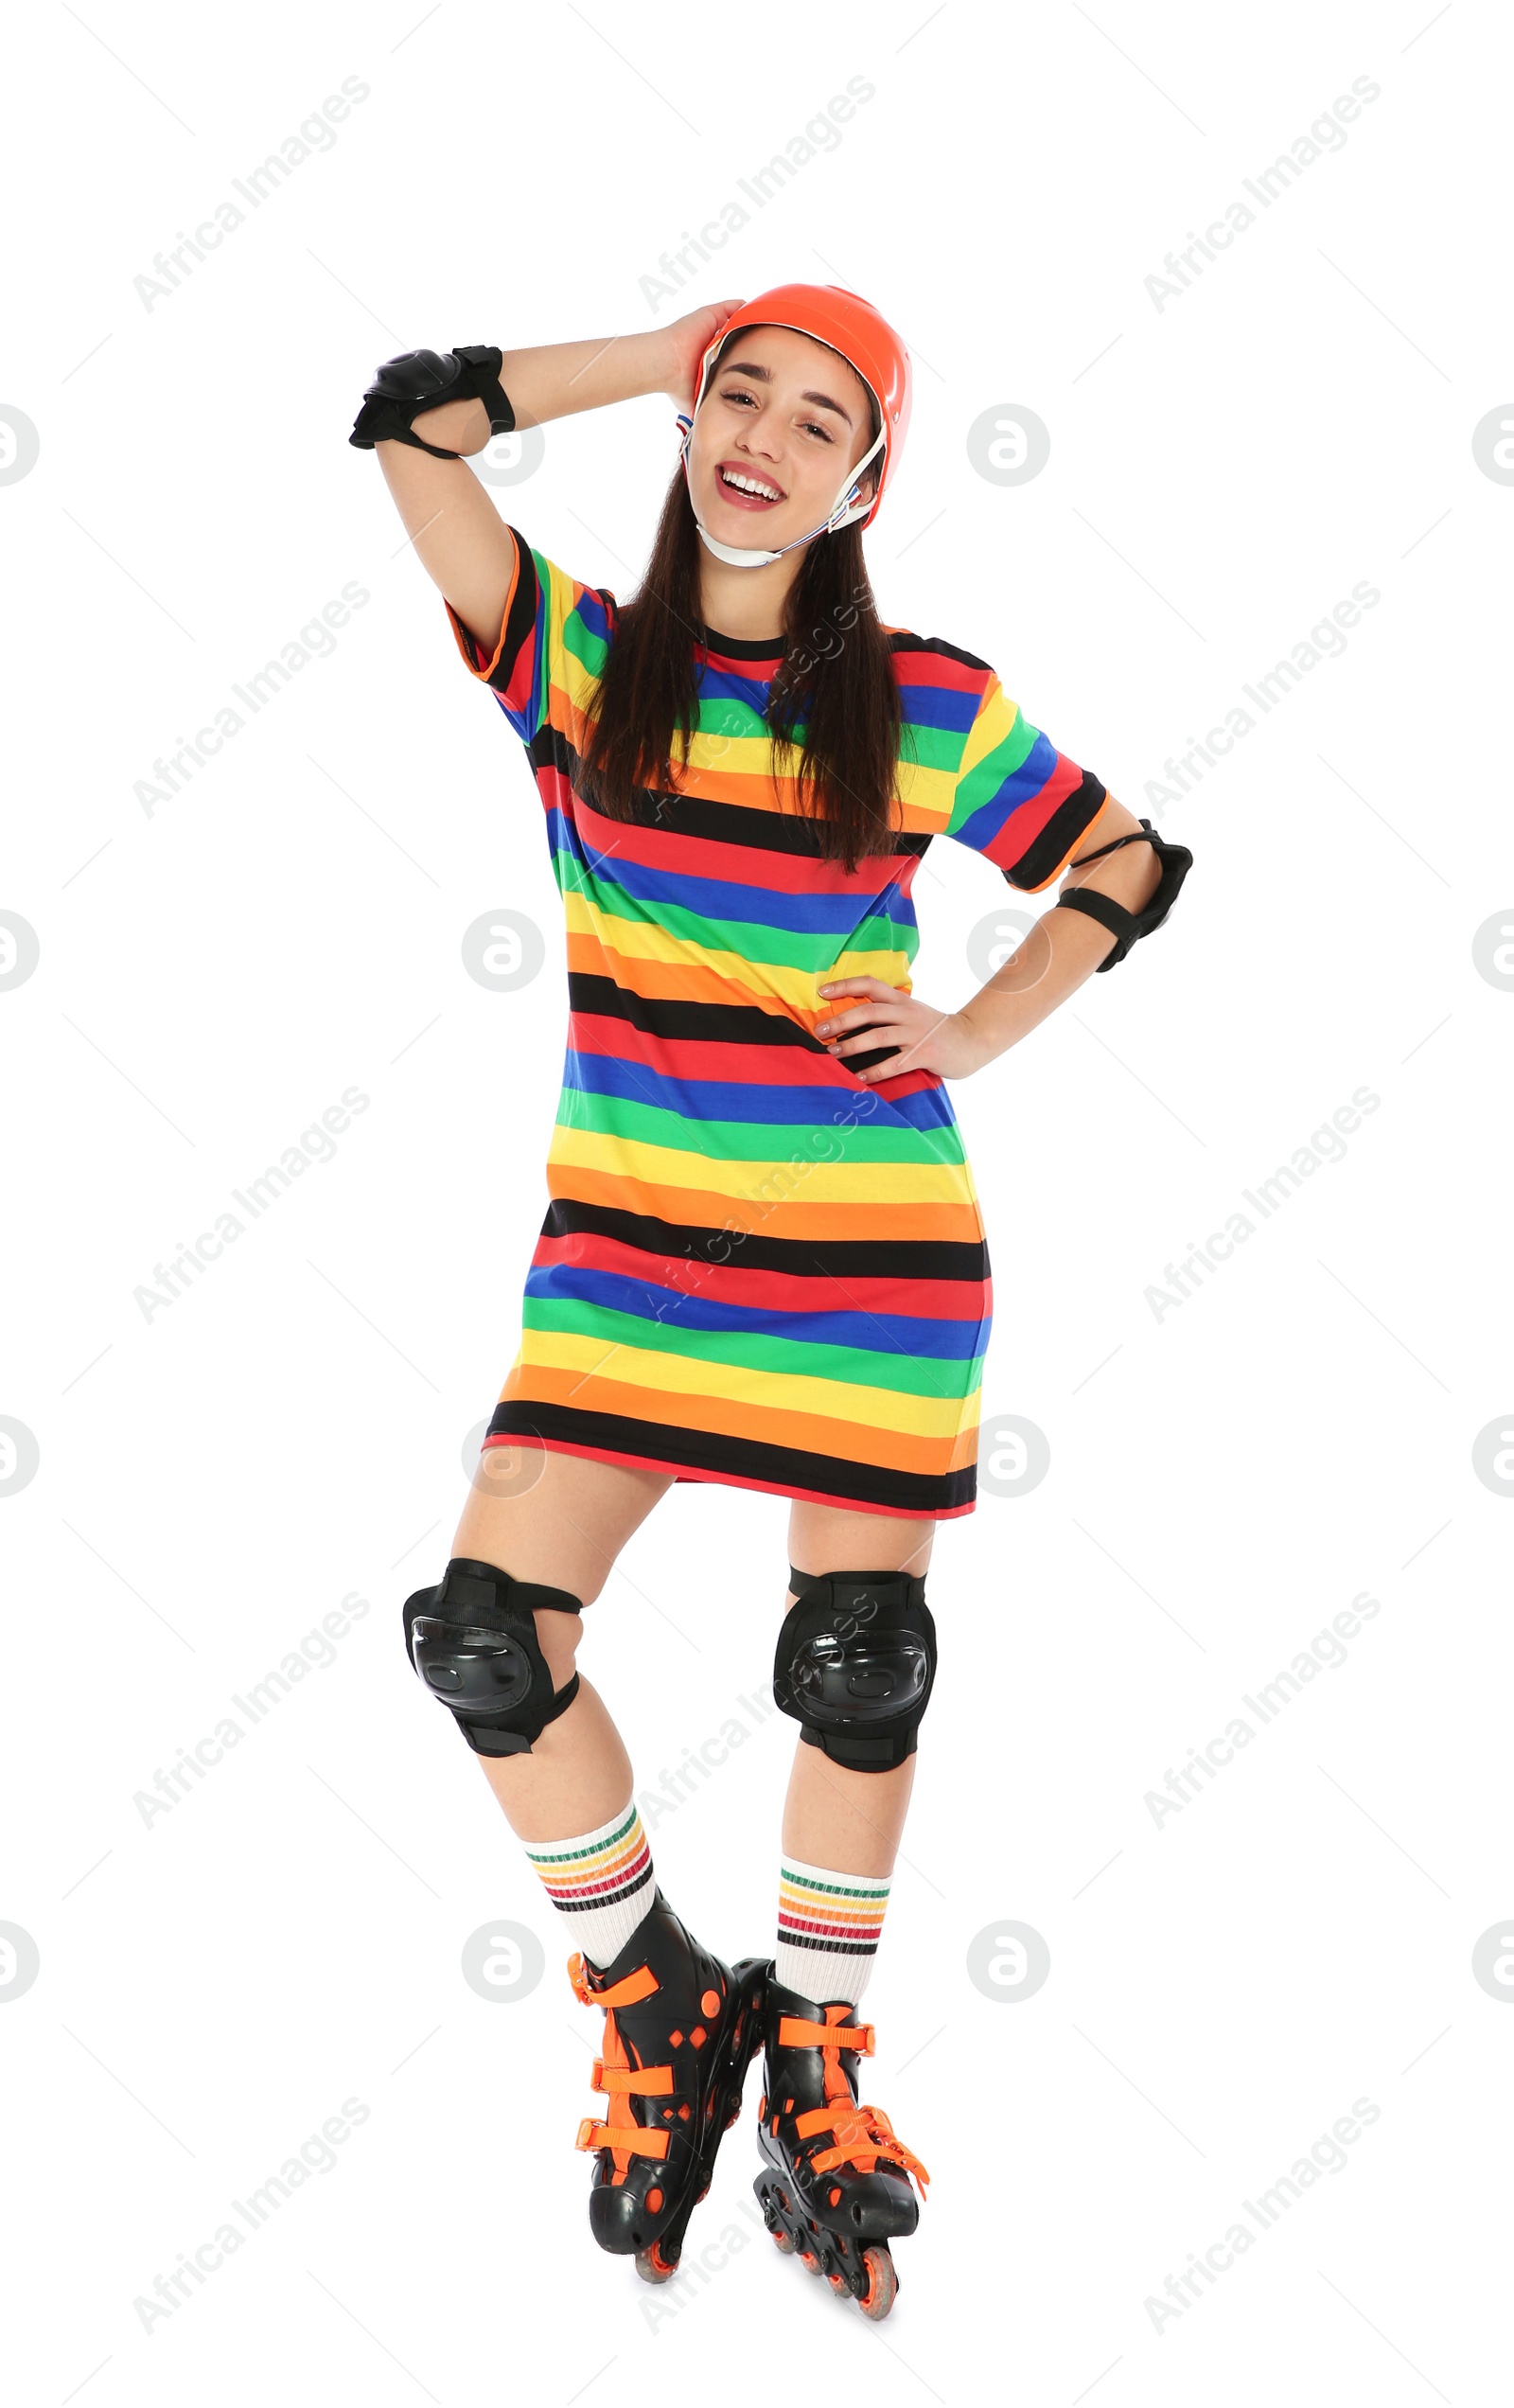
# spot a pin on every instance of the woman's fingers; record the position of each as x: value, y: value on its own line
x: 893, y: 1070
x: 876, y: 1032
x: 867, y: 1039
x: 889, y: 1007
x: 884, y: 1019
x: 872, y: 989
x: 876, y: 1017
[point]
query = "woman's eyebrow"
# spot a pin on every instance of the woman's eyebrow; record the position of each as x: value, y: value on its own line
x: 765, y: 376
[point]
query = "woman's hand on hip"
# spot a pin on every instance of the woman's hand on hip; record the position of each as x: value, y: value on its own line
x: 873, y: 1014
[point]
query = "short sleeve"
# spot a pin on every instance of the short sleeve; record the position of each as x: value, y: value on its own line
x: 552, y: 647
x: 1019, y: 801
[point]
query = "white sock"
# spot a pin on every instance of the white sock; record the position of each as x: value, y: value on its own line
x: 602, y: 1880
x: 828, y: 1927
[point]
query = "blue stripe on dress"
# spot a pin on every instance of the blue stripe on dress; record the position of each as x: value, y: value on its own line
x: 947, y: 1341
x: 1020, y: 786
x: 938, y: 706
x: 751, y: 1100
x: 722, y: 901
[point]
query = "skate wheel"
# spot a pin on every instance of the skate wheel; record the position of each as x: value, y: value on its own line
x: 838, y: 2282
x: 785, y: 2244
x: 652, y: 2266
x: 809, y: 2261
x: 883, y: 2283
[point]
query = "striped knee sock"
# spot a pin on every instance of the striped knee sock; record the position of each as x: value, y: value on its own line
x: 828, y: 1927
x: 603, y: 1879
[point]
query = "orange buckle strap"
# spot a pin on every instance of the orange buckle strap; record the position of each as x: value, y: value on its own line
x: 626, y: 2140
x: 622, y: 1994
x: 862, y: 2136
x: 794, y: 2032
x: 653, y: 2081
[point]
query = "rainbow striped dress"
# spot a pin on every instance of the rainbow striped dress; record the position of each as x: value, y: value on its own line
x: 755, y: 1268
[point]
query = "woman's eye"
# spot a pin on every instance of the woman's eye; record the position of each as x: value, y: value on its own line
x: 811, y: 428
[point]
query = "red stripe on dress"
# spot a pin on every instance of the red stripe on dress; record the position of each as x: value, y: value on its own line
x: 753, y: 1065
x: 914, y: 667
x: 736, y: 1062
x: 707, y: 857
x: 1026, y: 822
x: 774, y: 1291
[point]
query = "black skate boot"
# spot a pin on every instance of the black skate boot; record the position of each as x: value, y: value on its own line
x: 836, y: 2185
x: 680, y: 2031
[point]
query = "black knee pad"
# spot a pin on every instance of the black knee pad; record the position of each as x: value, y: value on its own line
x: 854, y: 1665
x: 474, y: 1645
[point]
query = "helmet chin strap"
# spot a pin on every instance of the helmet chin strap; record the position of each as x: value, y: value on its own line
x: 845, y: 513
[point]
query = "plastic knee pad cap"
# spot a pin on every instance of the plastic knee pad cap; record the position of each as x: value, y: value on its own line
x: 473, y: 1643
x: 854, y: 1665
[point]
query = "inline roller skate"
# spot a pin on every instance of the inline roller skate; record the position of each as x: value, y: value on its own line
x: 835, y: 2188
x: 680, y: 2031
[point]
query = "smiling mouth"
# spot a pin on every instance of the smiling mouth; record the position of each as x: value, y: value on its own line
x: 748, y: 491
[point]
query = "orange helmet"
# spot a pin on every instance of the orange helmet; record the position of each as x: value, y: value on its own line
x: 829, y: 313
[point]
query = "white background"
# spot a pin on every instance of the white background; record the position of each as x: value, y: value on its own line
x: 1224, y: 1480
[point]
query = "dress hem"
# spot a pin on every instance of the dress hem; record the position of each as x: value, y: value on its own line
x: 691, y: 1474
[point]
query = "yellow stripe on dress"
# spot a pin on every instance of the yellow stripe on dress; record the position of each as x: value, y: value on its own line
x: 767, y: 1184
x: 644, y: 941
x: 736, y: 1383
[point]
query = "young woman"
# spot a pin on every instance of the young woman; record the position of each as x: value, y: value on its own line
x: 764, y: 1261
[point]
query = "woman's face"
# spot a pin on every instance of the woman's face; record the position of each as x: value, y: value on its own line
x: 783, y: 420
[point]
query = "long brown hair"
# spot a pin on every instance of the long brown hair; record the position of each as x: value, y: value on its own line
x: 834, y: 698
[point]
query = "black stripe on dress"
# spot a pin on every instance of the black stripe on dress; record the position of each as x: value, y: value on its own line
x: 696, y: 815
x: 909, y: 1259
x: 704, y: 1023
x: 521, y: 617
x: 785, y: 1468
x: 1060, y: 833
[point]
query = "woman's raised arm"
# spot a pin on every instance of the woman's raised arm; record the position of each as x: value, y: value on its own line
x: 460, y: 539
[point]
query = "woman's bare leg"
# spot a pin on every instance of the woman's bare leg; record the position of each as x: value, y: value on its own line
x: 831, y: 1814
x: 560, y: 1520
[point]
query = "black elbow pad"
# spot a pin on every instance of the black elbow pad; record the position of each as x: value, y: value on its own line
x: 417, y: 381
x: 1127, y: 927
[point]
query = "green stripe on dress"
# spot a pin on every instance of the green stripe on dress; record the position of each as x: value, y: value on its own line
x: 787, y: 1146
x: 796, y: 1358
